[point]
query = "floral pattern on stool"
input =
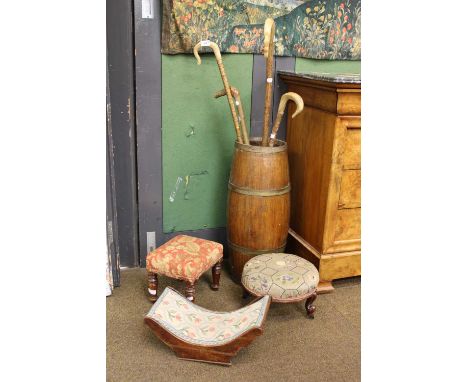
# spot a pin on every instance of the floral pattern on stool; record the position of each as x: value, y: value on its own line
x: 283, y: 276
x: 184, y: 257
x: 196, y: 325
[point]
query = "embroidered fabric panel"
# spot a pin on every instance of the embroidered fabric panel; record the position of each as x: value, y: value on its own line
x: 319, y: 29
x: 196, y: 325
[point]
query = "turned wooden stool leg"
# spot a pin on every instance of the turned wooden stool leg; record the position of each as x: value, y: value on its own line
x: 190, y: 291
x: 308, y: 305
x: 245, y: 292
x: 216, y: 273
x: 153, y: 286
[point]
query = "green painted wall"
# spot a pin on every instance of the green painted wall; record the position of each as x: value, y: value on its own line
x: 198, y: 138
x: 305, y: 65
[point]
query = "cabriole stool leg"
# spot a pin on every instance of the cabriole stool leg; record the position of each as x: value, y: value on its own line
x: 308, y: 305
x: 153, y: 286
x: 216, y: 273
x: 190, y: 291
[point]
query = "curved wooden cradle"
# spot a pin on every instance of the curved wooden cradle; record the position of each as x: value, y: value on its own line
x: 211, y: 352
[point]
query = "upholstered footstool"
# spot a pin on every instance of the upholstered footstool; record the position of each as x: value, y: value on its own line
x: 184, y: 258
x: 199, y: 334
x: 286, y: 278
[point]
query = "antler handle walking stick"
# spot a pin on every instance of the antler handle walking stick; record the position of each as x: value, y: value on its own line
x: 268, y: 52
x: 282, y: 106
x: 236, y: 94
x: 219, y: 61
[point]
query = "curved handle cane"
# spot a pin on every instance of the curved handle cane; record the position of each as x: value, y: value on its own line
x: 236, y: 94
x: 219, y: 61
x: 268, y: 52
x: 282, y: 106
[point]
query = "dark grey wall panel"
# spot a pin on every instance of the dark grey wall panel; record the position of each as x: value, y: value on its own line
x: 281, y: 63
x: 148, y: 117
x: 111, y: 221
x: 111, y: 203
x: 121, y: 94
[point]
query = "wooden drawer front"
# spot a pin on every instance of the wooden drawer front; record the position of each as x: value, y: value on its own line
x: 352, y: 149
x: 346, y: 231
x: 348, y: 224
x: 350, y: 193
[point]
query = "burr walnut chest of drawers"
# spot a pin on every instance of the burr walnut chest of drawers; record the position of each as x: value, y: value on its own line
x: 324, y: 149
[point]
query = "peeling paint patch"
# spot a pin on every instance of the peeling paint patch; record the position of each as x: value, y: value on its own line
x: 191, y: 132
x: 187, y: 181
x: 174, y: 191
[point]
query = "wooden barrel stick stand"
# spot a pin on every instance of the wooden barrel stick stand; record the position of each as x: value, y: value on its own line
x: 258, y: 202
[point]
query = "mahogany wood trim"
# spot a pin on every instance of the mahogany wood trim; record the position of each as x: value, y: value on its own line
x: 216, y: 274
x: 152, y: 286
x: 190, y: 290
x: 310, y: 308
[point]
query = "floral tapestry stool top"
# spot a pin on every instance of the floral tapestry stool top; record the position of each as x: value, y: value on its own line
x: 286, y: 278
x: 184, y: 258
x: 199, y: 334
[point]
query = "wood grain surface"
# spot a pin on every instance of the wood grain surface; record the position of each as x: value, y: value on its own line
x: 258, y: 202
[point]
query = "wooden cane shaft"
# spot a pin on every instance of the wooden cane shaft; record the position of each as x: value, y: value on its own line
x: 230, y: 99
x: 236, y: 94
x: 245, y: 135
x: 268, y: 87
x: 275, y: 128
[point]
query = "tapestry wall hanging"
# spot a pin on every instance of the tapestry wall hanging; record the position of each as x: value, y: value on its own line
x: 320, y: 29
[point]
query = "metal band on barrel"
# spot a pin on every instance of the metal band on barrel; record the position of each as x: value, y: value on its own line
x: 250, y: 191
x: 249, y: 251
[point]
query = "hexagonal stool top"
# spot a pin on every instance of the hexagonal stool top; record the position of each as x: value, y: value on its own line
x: 285, y: 277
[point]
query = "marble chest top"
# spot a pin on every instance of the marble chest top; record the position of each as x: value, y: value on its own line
x: 343, y: 78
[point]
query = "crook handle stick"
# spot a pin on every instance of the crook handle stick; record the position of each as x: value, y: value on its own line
x: 219, y: 61
x: 236, y: 94
x: 282, y: 106
x: 268, y: 52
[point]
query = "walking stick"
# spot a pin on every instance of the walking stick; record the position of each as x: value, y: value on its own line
x: 282, y: 106
x: 236, y: 94
x: 268, y: 52
x: 219, y: 61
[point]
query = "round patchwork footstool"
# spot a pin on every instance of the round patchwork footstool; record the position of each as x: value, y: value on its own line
x: 286, y: 278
